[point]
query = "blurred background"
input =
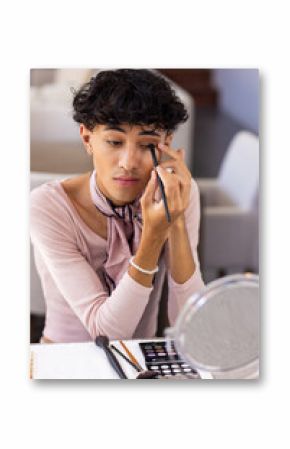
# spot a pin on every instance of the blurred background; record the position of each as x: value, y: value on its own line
x: 221, y: 141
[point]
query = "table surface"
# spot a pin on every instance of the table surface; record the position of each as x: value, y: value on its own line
x: 84, y: 361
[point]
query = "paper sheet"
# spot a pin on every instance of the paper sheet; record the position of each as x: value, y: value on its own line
x: 71, y: 361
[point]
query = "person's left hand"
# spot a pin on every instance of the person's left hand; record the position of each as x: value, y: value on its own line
x: 180, y: 170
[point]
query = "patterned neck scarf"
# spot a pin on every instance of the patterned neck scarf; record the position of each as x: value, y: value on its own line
x: 124, y: 228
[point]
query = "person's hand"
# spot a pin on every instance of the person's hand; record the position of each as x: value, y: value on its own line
x: 180, y: 172
x: 177, y: 190
x: 153, y: 211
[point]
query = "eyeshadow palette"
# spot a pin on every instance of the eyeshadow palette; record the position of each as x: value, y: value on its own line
x: 165, y: 363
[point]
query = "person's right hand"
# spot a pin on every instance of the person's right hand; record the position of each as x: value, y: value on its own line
x: 153, y: 210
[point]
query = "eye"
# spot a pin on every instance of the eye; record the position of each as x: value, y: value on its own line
x: 114, y: 143
x: 145, y: 146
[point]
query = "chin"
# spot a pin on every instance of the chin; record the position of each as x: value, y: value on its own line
x: 125, y: 197
x: 123, y: 194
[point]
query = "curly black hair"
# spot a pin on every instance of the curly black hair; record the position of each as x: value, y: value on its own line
x: 133, y: 96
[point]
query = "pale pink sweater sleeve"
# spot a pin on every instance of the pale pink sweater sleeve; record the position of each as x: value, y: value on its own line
x: 179, y: 293
x: 52, y: 234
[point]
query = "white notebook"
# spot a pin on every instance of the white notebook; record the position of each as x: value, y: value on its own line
x: 70, y: 361
x: 79, y: 361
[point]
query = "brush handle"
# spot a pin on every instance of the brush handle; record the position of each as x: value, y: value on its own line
x: 126, y: 358
x: 114, y: 362
x: 103, y: 342
x: 161, y: 186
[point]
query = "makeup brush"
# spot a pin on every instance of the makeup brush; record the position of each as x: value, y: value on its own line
x: 160, y: 183
x: 143, y: 374
x: 130, y: 355
x: 126, y: 358
x: 103, y: 342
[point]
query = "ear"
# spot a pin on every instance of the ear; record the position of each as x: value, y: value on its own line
x: 85, y: 134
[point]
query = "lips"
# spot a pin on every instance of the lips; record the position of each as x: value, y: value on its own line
x: 127, y: 179
x: 126, y: 182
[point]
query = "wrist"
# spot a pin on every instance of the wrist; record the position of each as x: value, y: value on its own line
x: 179, y: 224
x: 142, y: 270
x: 154, y: 237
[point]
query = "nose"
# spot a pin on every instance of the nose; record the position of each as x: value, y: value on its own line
x: 129, y: 158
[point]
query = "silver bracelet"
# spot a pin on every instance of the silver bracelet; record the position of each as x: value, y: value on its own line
x: 142, y: 269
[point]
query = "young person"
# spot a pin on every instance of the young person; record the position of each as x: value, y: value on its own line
x: 102, y: 241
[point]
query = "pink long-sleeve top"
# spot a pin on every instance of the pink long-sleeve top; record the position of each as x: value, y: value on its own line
x: 70, y: 257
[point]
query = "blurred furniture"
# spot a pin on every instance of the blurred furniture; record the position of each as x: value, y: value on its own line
x: 198, y: 82
x: 229, y: 230
x: 56, y: 146
x: 184, y: 134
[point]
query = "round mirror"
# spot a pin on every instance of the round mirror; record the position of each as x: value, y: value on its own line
x: 218, y: 328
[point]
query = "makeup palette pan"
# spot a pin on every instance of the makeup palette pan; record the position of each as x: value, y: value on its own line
x: 166, y: 363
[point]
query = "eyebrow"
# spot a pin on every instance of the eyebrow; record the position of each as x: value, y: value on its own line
x: 141, y: 133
